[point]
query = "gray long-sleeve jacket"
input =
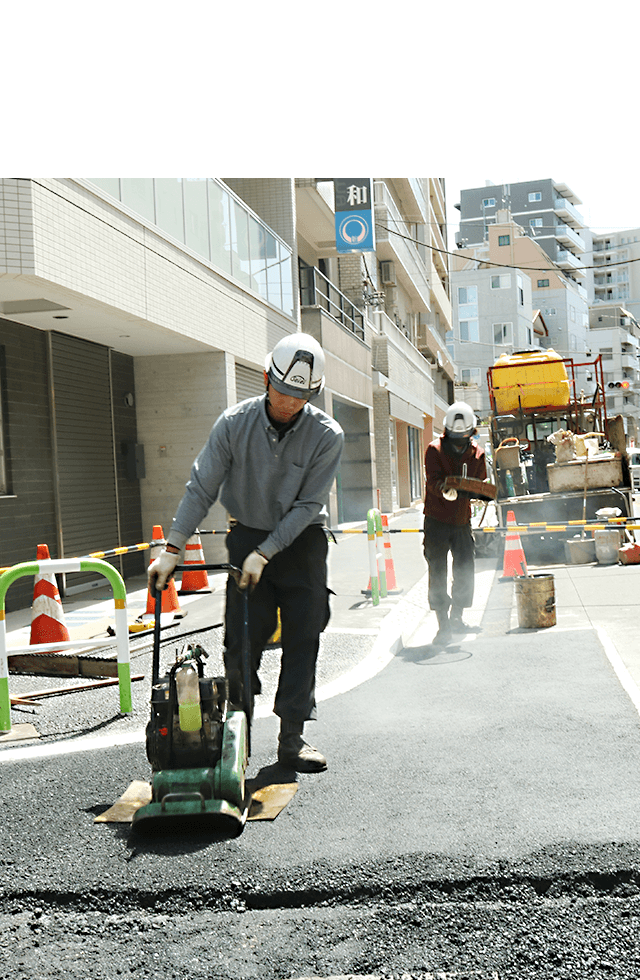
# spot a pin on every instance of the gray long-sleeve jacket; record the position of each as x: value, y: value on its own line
x: 278, y: 485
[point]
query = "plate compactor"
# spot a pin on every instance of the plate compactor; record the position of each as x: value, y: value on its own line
x: 198, y: 741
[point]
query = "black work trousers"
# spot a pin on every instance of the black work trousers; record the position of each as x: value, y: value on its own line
x: 439, y: 540
x: 294, y: 581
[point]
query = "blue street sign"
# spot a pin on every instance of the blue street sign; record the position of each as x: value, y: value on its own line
x: 354, y: 231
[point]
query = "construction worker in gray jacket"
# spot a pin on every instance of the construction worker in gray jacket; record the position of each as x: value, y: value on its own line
x: 271, y: 460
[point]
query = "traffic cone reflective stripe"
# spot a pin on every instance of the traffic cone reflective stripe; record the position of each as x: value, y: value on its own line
x: 515, y: 565
x: 47, y: 614
x: 169, y: 595
x: 195, y: 579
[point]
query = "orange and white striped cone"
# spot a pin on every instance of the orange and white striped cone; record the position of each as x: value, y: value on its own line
x: 392, y: 585
x: 515, y: 565
x: 195, y: 579
x: 47, y: 614
x: 170, y: 602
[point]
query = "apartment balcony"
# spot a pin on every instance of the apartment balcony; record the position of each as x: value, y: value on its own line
x: 629, y: 361
x: 565, y: 209
x: 400, y: 368
x: 433, y: 348
x: 414, y: 204
x: 568, y: 236
x: 399, y: 248
x: 318, y: 291
x: 567, y: 260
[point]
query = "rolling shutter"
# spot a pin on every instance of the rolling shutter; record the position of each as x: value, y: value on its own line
x: 249, y: 383
x: 84, y: 442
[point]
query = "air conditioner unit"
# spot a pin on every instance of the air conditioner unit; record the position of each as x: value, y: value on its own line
x: 388, y: 273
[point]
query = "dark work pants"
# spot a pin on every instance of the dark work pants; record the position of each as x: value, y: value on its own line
x: 294, y: 581
x: 439, y: 540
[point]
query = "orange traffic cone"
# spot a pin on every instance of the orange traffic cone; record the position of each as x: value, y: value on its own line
x: 195, y: 579
x: 515, y: 565
x: 47, y: 615
x: 170, y: 602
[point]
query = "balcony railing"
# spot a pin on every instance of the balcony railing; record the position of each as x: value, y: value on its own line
x: 317, y: 290
x: 565, y: 209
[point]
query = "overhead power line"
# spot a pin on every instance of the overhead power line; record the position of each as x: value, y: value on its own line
x: 502, y: 265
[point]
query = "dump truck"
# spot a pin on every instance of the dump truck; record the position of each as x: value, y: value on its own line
x: 555, y: 455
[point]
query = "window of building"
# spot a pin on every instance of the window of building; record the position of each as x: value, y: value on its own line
x: 470, y: 376
x: 504, y: 239
x: 467, y: 294
x: 202, y: 214
x: 573, y: 341
x: 489, y: 202
x: 520, y: 290
x: 535, y: 222
x: 501, y: 282
x: 502, y: 334
x: 542, y: 283
x: 550, y: 311
x: 607, y: 353
x: 535, y: 196
x: 469, y: 331
x: 448, y: 340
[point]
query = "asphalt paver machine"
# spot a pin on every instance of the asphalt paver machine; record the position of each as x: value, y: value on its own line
x: 198, y: 739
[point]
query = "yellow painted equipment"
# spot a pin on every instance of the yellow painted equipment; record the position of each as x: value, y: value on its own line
x: 528, y: 380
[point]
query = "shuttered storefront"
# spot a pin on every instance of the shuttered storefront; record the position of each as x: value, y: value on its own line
x: 84, y: 449
x: 249, y: 383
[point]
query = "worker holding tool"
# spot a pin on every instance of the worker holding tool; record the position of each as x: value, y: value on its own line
x: 447, y: 519
x: 271, y: 460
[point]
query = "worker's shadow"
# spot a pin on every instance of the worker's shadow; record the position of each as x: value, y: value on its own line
x: 429, y: 655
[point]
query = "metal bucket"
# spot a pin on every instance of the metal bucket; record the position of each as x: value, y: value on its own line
x: 607, y: 544
x: 536, y: 601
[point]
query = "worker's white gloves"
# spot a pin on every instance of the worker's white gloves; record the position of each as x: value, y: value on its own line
x: 161, y: 570
x: 252, y: 570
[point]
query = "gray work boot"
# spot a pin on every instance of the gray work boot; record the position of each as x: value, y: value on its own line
x: 456, y: 621
x: 297, y: 754
x: 444, y: 634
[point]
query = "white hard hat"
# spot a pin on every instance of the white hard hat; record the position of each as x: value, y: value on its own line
x: 295, y: 366
x: 460, y: 421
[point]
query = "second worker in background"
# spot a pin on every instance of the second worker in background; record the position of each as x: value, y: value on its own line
x: 447, y: 522
x: 271, y: 460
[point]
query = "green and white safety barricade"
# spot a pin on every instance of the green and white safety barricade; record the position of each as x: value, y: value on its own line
x: 59, y: 566
x: 375, y: 543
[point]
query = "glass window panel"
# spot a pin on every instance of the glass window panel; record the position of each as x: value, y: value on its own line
x: 286, y: 267
x: 274, y: 285
x: 109, y: 184
x: 137, y: 194
x: 467, y: 311
x: 220, y: 226
x: 257, y: 257
x: 239, y: 243
x: 469, y: 331
x: 196, y: 219
x: 169, y: 209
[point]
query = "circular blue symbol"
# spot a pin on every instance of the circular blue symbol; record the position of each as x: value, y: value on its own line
x: 353, y: 229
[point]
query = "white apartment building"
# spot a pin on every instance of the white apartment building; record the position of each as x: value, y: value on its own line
x: 615, y: 334
x: 134, y: 310
x: 616, y: 276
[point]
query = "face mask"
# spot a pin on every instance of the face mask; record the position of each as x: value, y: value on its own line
x: 457, y: 447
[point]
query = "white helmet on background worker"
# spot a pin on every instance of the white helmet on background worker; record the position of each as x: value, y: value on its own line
x: 295, y: 366
x: 459, y: 425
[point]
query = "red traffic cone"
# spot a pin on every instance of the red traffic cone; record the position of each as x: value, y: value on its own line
x: 390, y: 571
x: 169, y: 595
x: 47, y: 615
x: 195, y: 578
x: 515, y: 565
